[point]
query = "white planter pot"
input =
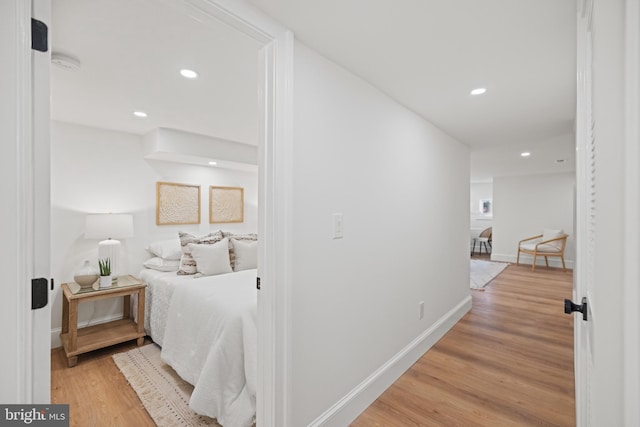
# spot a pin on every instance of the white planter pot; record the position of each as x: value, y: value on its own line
x: 105, y: 281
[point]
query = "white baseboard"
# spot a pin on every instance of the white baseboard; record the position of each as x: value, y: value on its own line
x: 527, y: 260
x: 55, y: 333
x: 355, y: 402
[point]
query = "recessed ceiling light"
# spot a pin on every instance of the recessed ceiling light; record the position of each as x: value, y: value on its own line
x: 213, y: 163
x: 478, y: 91
x: 525, y: 154
x: 140, y: 114
x: 190, y: 74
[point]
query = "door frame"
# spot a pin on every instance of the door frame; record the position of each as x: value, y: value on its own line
x: 275, y: 172
x: 275, y: 189
x: 631, y: 273
x: 28, y: 344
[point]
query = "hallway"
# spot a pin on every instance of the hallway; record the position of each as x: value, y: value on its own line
x: 508, y: 362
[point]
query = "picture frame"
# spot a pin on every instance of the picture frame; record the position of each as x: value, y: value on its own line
x: 486, y: 207
x: 177, y: 204
x: 226, y: 204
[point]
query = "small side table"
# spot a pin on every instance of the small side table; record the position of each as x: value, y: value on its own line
x: 78, y: 341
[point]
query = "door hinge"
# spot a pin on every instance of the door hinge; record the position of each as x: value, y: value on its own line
x: 39, y: 36
x: 258, y: 283
x: 39, y: 293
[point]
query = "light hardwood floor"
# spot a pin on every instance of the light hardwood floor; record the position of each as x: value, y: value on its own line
x: 509, y: 362
x: 97, y: 393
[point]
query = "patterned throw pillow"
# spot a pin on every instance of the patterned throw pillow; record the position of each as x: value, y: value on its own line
x: 232, y: 254
x: 187, y: 263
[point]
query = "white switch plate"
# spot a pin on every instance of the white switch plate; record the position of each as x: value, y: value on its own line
x: 337, y: 226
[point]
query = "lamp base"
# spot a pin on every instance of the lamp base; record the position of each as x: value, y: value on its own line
x: 110, y: 249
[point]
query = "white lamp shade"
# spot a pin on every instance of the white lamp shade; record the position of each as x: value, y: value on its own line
x: 108, y: 226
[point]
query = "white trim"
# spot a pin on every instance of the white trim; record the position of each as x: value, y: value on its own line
x: 357, y: 400
x: 40, y: 207
x: 274, y: 196
x: 631, y: 324
x: 527, y: 259
x: 24, y: 220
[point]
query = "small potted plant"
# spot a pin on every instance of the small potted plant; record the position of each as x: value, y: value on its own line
x: 105, y: 272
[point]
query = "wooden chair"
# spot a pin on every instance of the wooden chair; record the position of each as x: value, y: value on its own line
x: 483, y: 238
x: 550, y: 245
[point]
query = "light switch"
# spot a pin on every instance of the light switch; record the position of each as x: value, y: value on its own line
x: 337, y: 226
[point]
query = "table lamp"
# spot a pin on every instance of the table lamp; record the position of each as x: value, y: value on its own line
x: 109, y: 227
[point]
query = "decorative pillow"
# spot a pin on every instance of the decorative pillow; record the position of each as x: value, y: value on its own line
x: 166, y: 249
x: 549, y: 234
x: 211, y: 259
x: 246, y: 254
x: 232, y: 255
x: 187, y: 263
x: 160, y: 264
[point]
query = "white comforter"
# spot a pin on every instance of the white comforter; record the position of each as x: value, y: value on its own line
x: 210, y: 340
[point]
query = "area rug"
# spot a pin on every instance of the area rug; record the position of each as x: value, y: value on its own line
x: 482, y: 272
x: 163, y: 393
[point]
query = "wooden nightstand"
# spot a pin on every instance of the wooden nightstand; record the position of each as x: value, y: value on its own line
x: 77, y: 341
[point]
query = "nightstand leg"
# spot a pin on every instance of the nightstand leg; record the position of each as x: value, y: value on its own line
x: 72, y: 361
x: 73, y: 327
x: 140, y: 325
x: 126, y: 312
x: 65, y: 315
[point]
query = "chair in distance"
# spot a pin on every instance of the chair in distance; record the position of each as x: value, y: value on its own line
x: 483, y: 238
x: 549, y: 244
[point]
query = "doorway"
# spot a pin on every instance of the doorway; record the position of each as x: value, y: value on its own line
x: 275, y: 130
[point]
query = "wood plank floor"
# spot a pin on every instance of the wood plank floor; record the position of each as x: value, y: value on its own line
x: 97, y: 393
x: 508, y: 362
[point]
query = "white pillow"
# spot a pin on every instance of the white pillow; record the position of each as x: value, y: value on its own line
x: 211, y: 259
x: 166, y: 249
x: 246, y: 252
x: 187, y: 263
x: 157, y: 263
x: 549, y: 234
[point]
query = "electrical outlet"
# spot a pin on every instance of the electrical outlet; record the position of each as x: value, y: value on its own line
x: 421, y: 310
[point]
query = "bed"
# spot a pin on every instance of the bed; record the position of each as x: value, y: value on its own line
x: 207, y: 329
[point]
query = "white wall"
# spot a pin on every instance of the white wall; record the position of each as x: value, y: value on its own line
x: 403, y: 188
x: 524, y: 206
x: 98, y: 171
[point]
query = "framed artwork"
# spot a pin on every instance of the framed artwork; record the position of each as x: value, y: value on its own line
x: 226, y: 204
x: 486, y: 207
x: 177, y: 203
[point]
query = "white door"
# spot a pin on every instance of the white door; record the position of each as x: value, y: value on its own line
x: 24, y: 160
x: 585, y: 219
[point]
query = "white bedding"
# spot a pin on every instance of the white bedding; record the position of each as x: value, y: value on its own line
x: 209, y: 337
x: 160, y: 286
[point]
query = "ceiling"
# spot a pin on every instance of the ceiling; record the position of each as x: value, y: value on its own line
x: 131, y: 52
x: 426, y: 54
